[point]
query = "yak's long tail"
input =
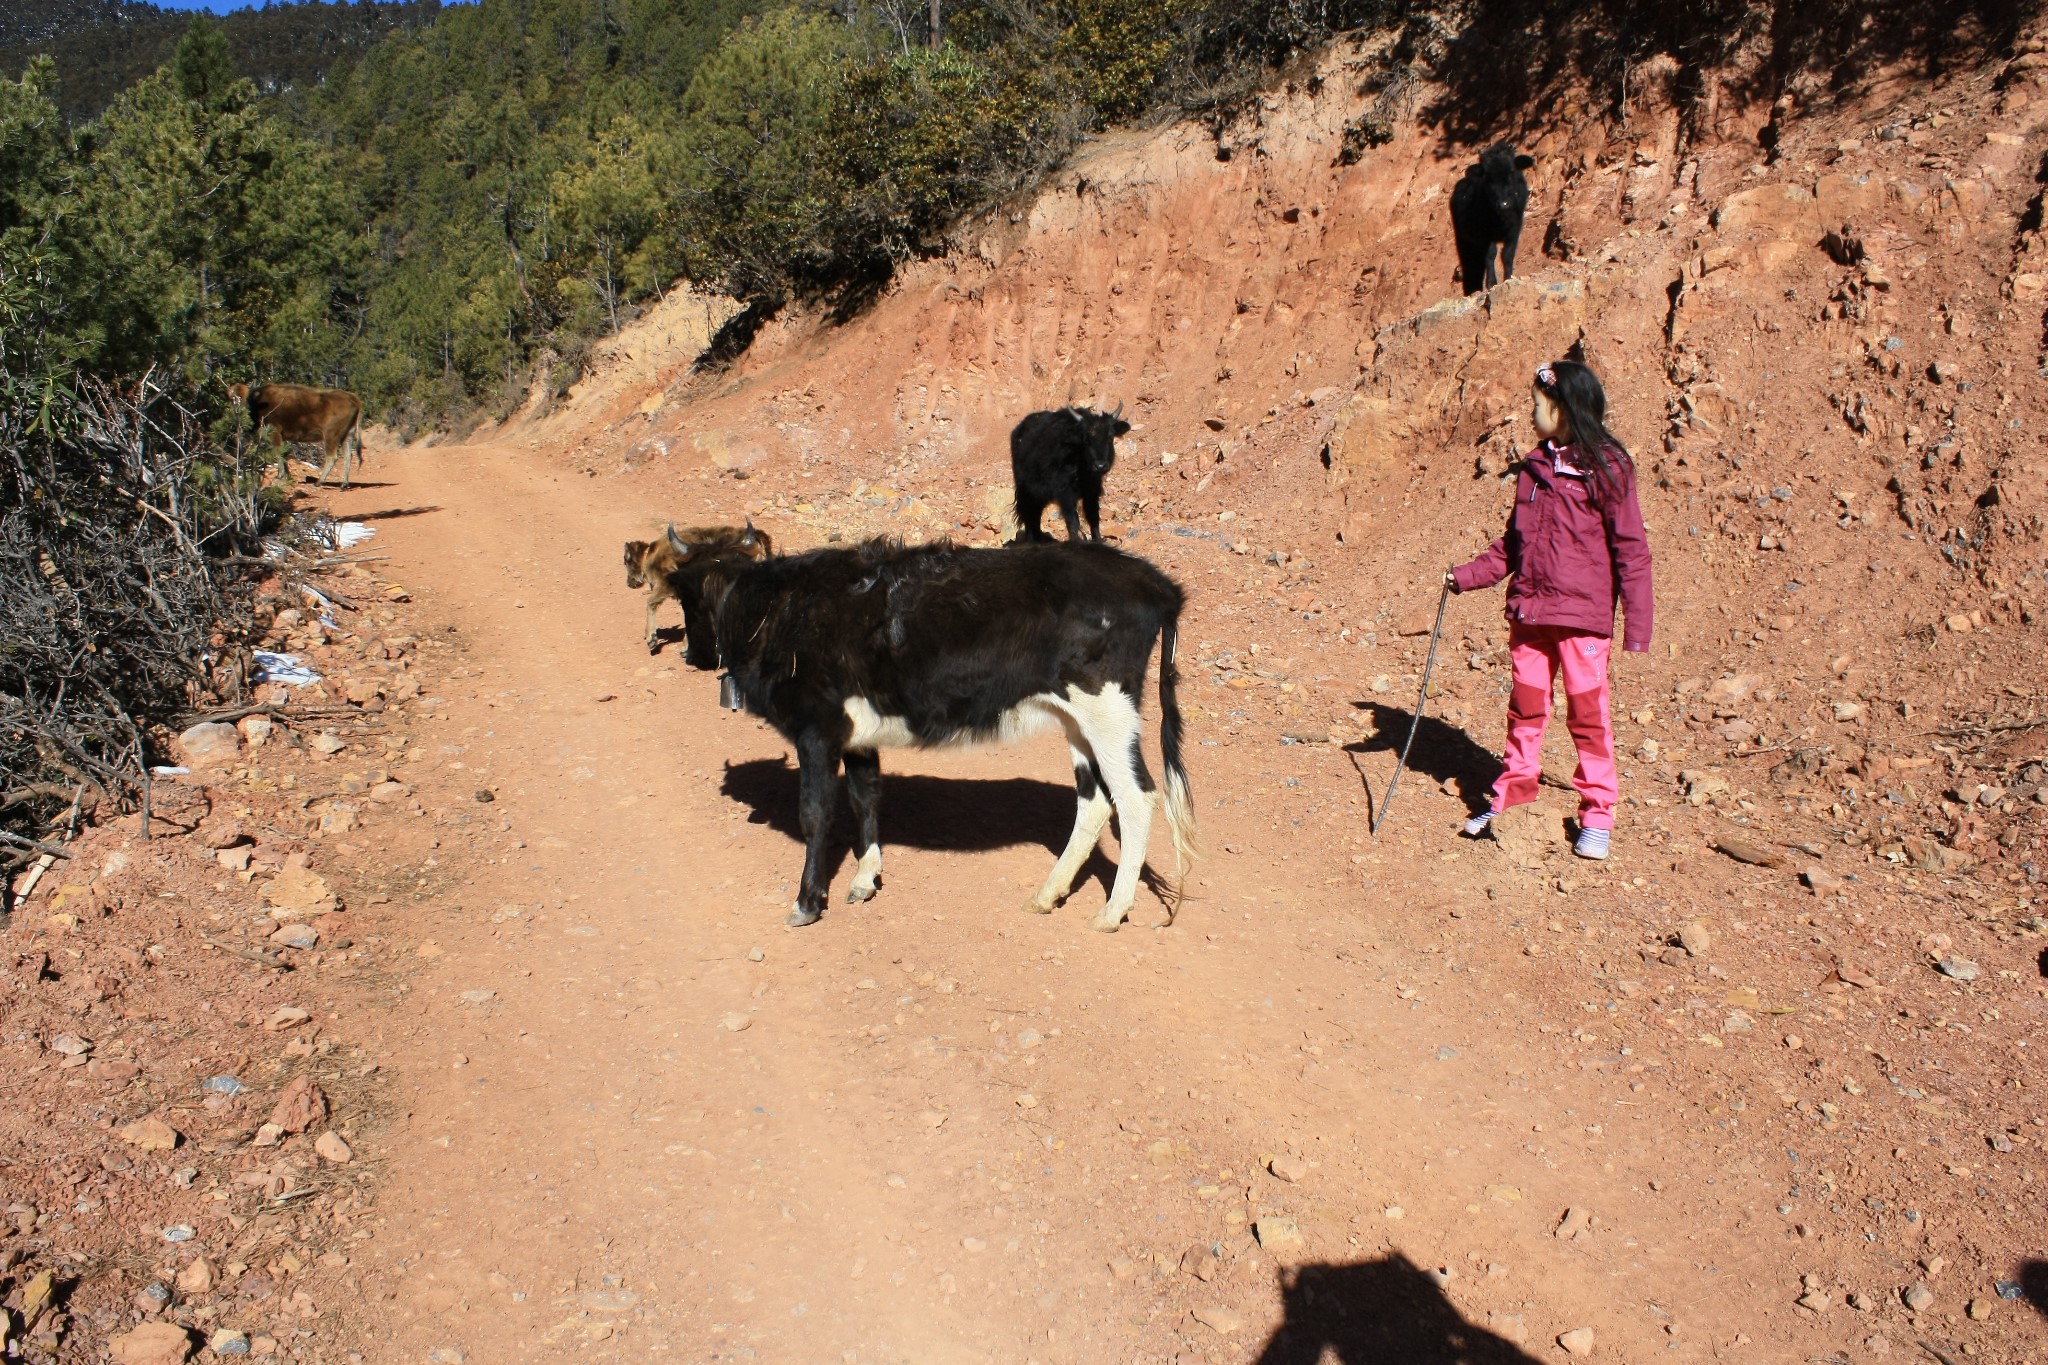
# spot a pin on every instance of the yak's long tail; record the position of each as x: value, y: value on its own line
x: 1180, y: 805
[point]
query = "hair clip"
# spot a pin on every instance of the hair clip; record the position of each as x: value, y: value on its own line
x: 1546, y: 376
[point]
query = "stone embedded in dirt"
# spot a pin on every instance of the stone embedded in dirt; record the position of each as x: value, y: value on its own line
x: 1695, y: 938
x: 196, y: 1278
x: 286, y: 1017
x: 297, y: 891
x: 1742, y: 851
x: 484, y: 796
x: 1511, y: 1326
x: 1027, y: 1100
x: 1816, y: 1301
x: 756, y: 955
x: 255, y: 730
x: 108, y: 1069
x: 1289, y: 1168
x: 1123, y: 1268
x: 209, y: 744
x: 226, y: 834
x: 736, y: 1022
x: 479, y: 997
x: 1738, y: 1021
x: 1918, y: 1296
x: 326, y: 743
x: 1846, y: 711
x: 71, y: 1045
x: 1417, y: 622
x: 228, y: 1342
x: 1526, y: 834
x: 1575, y: 1221
x: 37, y: 1293
x: 932, y: 1118
x: 152, y: 1343
x: 150, y: 1134
x: 1958, y: 969
x: 300, y: 936
x: 269, y: 1135
x: 1734, y: 688
x: 1577, y: 1342
x: 1277, y: 1234
x: 973, y: 1244
x: 302, y: 1105
x: 333, y: 1148
x: 234, y: 859
x: 1819, y: 880
x: 1200, y: 1262
x: 1217, y: 1318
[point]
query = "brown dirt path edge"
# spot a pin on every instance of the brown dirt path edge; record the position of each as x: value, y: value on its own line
x: 951, y: 1130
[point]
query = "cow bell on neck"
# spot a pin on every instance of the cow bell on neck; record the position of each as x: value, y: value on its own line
x: 728, y: 692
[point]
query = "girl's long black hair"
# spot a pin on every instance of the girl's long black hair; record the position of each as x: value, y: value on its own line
x: 1576, y: 389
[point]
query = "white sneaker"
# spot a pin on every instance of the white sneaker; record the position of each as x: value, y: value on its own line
x: 1477, y: 825
x: 1592, y: 843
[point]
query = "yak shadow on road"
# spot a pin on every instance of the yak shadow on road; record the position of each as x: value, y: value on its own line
x: 390, y: 513
x: 1383, y: 1312
x: 942, y: 814
x: 2034, y: 1285
x: 945, y: 814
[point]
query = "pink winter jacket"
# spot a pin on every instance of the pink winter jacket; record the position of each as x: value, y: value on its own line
x: 1572, y: 552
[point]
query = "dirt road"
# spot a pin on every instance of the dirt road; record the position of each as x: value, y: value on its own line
x: 649, y: 1122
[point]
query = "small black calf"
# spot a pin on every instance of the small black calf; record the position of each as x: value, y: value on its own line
x: 1486, y: 209
x: 1060, y: 457
x: 850, y: 651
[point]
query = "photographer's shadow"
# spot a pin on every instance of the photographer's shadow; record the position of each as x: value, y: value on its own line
x: 1383, y: 1312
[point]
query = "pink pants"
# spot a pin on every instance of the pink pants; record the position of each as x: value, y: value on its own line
x: 1538, y: 654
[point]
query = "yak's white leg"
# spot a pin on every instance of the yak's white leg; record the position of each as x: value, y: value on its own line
x: 865, y: 874
x: 1091, y: 813
x: 1109, y: 723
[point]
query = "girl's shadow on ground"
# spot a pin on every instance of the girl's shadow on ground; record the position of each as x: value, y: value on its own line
x: 1442, y: 751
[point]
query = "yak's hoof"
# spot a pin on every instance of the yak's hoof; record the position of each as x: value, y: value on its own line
x: 1106, y: 923
x: 654, y: 647
x: 1035, y: 906
x: 857, y: 893
x: 799, y: 917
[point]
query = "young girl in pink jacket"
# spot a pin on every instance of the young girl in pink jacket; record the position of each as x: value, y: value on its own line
x: 1574, y: 544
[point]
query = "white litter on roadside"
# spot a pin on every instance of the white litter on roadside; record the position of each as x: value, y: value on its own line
x: 318, y: 599
x: 162, y: 771
x: 283, y: 668
x: 349, y: 534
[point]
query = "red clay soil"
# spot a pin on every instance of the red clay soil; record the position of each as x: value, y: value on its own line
x: 1764, y: 1086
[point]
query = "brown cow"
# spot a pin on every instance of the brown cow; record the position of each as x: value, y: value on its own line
x: 652, y: 564
x: 329, y: 418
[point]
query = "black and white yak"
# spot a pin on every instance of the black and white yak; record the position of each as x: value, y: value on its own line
x: 850, y: 651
